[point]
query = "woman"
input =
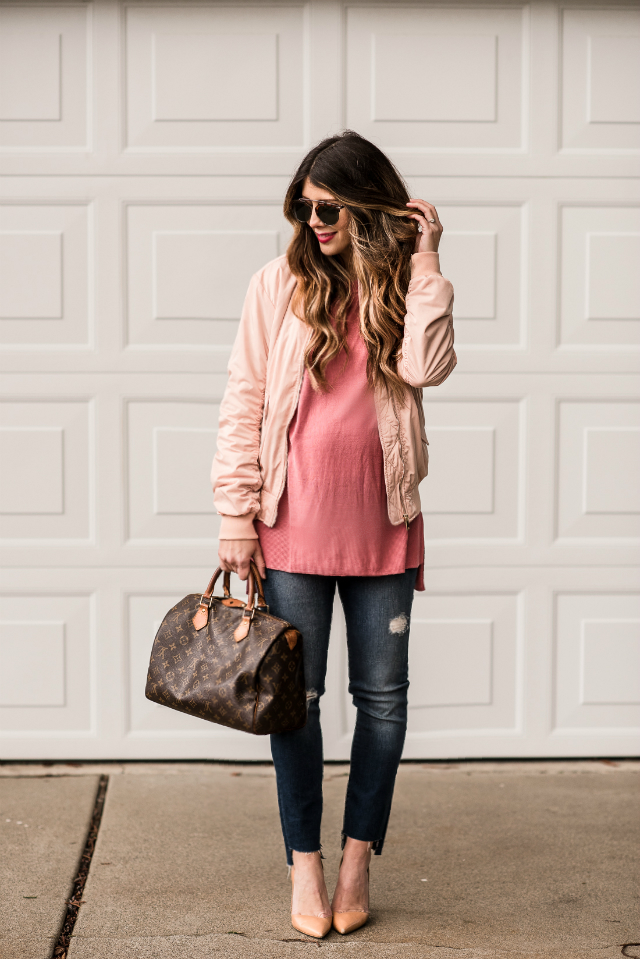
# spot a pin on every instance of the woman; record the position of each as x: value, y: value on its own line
x: 321, y: 449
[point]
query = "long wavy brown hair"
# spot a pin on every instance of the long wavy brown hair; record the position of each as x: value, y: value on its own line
x: 361, y: 177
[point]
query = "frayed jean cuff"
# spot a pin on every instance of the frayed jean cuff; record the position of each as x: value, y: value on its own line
x: 375, y: 845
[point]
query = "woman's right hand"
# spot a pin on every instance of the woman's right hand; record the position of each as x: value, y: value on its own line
x: 426, y: 215
x: 235, y: 554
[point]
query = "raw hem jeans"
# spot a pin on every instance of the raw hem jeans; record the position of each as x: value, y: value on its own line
x: 377, y: 611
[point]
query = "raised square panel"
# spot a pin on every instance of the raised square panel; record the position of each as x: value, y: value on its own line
x: 178, y: 491
x: 31, y: 275
x: 614, y: 79
x: 613, y: 276
x: 472, y: 256
x: 598, y: 470
x: 462, y: 662
x: 210, y: 78
x: 192, y: 271
x: 46, y: 651
x: 474, y: 453
x: 616, y: 449
x: 441, y: 93
x: 29, y: 75
x: 437, y: 662
x: 189, y: 269
x: 215, y: 77
x: 44, y: 77
x: 597, y: 661
x: 600, y: 80
x: 470, y: 98
x: 32, y: 664
x: 45, y: 275
x: 483, y: 252
x: 31, y: 470
x: 473, y: 488
x: 599, y: 277
x: 45, y: 487
x: 171, y: 448
x: 610, y: 662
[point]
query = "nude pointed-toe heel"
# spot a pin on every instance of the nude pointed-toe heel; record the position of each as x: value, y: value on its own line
x: 316, y: 926
x: 346, y: 922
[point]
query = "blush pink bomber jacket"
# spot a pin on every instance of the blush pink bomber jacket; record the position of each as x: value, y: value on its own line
x: 265, y: 375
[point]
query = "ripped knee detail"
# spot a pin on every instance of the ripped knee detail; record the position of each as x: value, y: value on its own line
x: 399, y: 624
x: 312, y: 694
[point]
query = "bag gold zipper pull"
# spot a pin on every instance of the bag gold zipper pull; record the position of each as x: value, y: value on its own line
x: 406, y: 520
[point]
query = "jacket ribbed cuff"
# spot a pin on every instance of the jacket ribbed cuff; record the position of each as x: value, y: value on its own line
x: 424, y: 263
x: 238, y: 527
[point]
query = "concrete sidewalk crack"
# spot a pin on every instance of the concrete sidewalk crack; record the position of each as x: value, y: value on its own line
x: 61, y: 946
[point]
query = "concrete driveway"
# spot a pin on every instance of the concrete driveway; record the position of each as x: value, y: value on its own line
x: 509, y: 860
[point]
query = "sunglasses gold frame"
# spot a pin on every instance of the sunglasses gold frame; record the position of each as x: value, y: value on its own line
x: 316, y: 205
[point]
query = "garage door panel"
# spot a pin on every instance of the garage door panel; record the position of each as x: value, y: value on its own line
x: 45, y: 94
x: 215, y: 77
x: 475, y: 487
x: 46, y: 275
x: 597, y: 662
x: 480, y: 630
x: 484, y: 254
x: 170, y: 449
x: 599, y: 463
x: 394, y: 98
x: 601, y: 80
x: 188, y: 268
x: 600, y: 283
x: 46, y: 479
x: 47, y: 665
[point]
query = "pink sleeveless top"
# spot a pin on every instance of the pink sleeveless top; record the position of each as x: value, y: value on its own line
x: 332, y: 516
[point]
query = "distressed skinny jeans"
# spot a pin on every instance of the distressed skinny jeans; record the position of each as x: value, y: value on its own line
x: 377, y: 612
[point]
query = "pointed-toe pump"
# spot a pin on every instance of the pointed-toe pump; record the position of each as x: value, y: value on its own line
x: 316, y: 926
x: 346, y: 922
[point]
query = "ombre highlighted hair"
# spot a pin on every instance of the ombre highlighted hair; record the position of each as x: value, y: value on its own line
x: 362, y: 178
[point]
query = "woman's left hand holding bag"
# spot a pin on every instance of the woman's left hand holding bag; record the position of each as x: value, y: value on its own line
x: 235, y: 554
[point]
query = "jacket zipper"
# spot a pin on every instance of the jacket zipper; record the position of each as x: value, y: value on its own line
x: 286, y: 457
x: 405, y: 515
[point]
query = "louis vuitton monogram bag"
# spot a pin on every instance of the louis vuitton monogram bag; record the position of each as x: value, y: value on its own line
x: 230, y: 662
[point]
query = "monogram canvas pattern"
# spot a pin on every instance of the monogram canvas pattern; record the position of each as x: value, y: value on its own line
x: 256, y: 685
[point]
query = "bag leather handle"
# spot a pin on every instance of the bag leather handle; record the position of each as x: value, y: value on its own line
x: 255, y: 582
x: 226, y: 585
x: 258, y: 584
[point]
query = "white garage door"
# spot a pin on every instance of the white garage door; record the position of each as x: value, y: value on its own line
x: 145, y: 151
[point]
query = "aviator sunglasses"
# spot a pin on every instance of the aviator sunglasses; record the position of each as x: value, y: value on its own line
x: 329, y: 213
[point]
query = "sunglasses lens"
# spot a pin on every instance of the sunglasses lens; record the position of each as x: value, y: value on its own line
x: 302, y: 210
x: 328, y: 213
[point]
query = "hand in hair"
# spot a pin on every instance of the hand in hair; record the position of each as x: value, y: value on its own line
x: 428, y: 240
